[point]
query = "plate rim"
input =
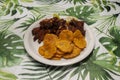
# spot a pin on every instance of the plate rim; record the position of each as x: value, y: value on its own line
x: 53, y: 62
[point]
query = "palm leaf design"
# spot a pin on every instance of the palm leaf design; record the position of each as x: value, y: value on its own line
x: 84, y: 12
x: 39, y: 71
x: 117, y: 3
x: 106, y: 22
x: 104, y: 5
x: 108, y: 62
x: 10, y: 47
x: 1, y: 12
x: 111, y: 42
x: 76, y: 1
x: 6, y: 23
x: 11, y: 7
x: 26, y: 24
x: 48, y: 1
x: 4, y: 75
x: 46, y: 9
x: 88, y: 66
x: 97, y: 71
x: 26, y: 1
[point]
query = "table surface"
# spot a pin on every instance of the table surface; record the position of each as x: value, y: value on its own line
x: 103, y: 16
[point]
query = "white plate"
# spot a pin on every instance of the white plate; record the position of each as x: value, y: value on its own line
x: 32, y: 47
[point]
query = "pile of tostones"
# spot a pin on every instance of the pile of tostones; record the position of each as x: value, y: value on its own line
x: 66, y: 45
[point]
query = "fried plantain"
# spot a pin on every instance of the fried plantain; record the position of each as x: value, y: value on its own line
x: 41, y: 50
x: 50, y: 39
x: 55, y: 58
x: 59, y: 52
x: 64, y: 45
x: 76, y: 51
x: 77, y: 34
x: 48, y: 51
x: 80, y: 43
x: 66, y: 35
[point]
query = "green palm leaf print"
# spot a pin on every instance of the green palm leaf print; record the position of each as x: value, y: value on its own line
x: 10, y: 47
x: 39, y: 71
x: 48, y: 1
x: 76, y: 1
x: 5, y: 24
x: 11, y: 7
x: 4, y: 75
x: 104, y: 5
x: 85, y: 13
x: 88, y: 66
x: 26, y: 24
x: 106, y: 22
x: 112, y: 42
x: 103, y: 16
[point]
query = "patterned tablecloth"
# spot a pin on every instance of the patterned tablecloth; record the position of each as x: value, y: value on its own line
x: 102, y: 15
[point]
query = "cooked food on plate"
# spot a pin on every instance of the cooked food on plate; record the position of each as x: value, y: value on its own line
x: 62, y: 39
